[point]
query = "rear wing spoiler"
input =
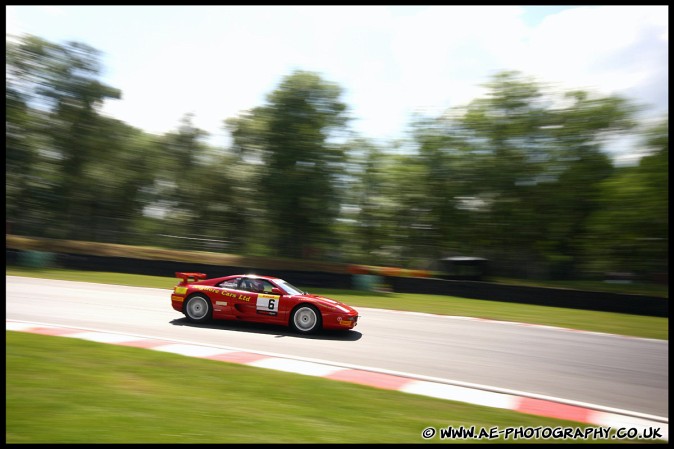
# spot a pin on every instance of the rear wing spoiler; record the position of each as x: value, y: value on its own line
x: 189, y: 277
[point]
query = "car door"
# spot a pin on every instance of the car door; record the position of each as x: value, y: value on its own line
x: 265, y: 299
x: 243, y: 299
x: 224, y: 303
x: 252, y: 299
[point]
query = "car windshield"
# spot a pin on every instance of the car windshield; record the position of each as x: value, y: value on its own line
x: 291, y: 289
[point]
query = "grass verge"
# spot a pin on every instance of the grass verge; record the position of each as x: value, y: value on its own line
x: 61, y: 390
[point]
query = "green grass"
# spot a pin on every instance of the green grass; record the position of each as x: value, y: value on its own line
x: 615, y: 323
x: 100, y: 277
x: 61, y: 390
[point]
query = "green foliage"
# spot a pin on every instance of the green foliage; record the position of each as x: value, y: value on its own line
x: 514, y: 176
x: 520, y: 176
x: 290, y: 138
x: 629, y: 232
x: 55, y: 96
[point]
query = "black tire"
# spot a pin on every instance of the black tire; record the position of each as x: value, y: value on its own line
x: 306, y: 319
x: 198, y: 309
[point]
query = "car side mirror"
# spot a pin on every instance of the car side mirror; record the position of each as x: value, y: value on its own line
x: 276, y: 291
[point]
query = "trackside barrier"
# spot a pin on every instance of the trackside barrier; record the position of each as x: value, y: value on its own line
x: 566, y: 298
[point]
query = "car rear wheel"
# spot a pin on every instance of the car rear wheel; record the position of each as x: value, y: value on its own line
x: 306, y: 319
x: 198, y: 309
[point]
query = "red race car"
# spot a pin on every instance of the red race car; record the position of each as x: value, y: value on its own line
x: 263, y: 299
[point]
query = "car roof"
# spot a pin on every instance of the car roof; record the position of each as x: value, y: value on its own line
x: 255, y: 276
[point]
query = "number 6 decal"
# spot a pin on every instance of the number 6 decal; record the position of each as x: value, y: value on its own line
x: 267, y: 303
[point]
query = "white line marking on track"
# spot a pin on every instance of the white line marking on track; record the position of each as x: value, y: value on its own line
x: 296, y: 366
x: 191, y: 350
x: 102, y: 337
x: 460, y: 394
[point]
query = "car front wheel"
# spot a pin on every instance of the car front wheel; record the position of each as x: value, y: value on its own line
x: 306, y: 319
x: 198, y: 309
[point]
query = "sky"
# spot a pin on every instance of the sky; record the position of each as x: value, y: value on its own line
x: 391, y: 62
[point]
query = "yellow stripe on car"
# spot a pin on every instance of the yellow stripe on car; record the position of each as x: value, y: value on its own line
x: 268, y: 296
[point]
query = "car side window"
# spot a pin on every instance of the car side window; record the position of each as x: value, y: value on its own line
x: 267, y: 286
x: 256, y: 285
x: 246, y: 285
x: 230, y: 283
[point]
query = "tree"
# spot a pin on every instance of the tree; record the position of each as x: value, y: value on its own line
x: 630, y: 231
x: 290, y: 138
x: 365, y: 215
x: 59, y: 84
x: 526, y: 162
